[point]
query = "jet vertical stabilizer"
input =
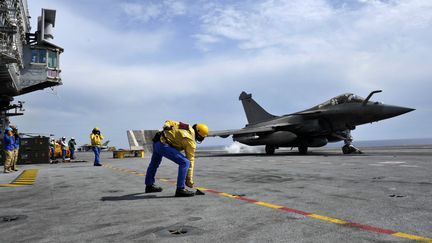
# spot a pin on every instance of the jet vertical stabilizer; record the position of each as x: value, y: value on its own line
x: 254, y: 112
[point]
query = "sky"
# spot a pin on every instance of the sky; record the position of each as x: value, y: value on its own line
x: 134, y: 64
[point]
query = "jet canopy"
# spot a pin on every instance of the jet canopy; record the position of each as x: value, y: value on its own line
x: 341, y: 99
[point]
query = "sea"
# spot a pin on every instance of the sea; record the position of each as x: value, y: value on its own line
x: 359, y: 143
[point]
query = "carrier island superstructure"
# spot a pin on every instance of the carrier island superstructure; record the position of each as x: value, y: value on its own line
x: 28, y: 61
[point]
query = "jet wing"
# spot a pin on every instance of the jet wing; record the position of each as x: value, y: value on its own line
x: 246, y: 130
x: 310, y: 114
x: 313, y: 112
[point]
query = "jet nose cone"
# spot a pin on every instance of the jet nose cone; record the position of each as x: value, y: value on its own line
x: 407, y: 110
x: 392, y: 111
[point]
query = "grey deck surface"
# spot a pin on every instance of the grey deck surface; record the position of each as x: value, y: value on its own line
x: 386, y: 188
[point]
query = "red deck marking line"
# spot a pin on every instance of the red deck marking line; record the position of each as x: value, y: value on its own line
x: 213, y: 191
x: 247, y: 199
x: 371, y: 228
x: 312, y: 215
x: 292, y: 210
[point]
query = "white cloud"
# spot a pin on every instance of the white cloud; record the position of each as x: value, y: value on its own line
x: 154, y: 10
x: 290, y: 54
x: 367, y: 43
x: 267, y: 24
x: 141, y: 12
x: 314, y: 25
x: 172, y: 79
x: 90, y: 37
x: 203, y: 40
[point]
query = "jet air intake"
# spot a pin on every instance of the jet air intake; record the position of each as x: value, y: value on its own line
x: 276, y: 138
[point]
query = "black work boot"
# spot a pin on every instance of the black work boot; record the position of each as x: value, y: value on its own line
x: 184, y: 193
x: 153, y: 188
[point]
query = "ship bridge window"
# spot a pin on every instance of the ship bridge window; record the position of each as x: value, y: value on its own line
x: 52, y: 59
x: 39, y: 56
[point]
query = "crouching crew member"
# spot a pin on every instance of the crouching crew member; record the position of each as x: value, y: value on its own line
x: 96, y: 142
x: 176, y: 137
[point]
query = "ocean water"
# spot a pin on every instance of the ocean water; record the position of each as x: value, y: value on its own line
x: 389, y: 142
x: 360, y: 143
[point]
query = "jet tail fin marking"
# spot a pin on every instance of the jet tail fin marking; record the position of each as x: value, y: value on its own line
x: 254, y: 112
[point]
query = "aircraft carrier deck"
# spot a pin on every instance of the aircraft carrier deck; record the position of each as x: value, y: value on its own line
x: 383, y: 195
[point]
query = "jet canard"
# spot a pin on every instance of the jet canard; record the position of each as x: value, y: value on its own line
x: 331, y: 121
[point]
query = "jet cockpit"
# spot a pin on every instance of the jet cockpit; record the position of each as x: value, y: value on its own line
x: 341, y: 99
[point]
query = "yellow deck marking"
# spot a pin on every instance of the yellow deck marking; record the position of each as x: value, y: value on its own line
x: 325, y: 218
x: 269, y: 205
x: 8, y: 185
x: 412, y: 237
x: 26, y: 178
x: 317, y: 216
x: 227, y: 195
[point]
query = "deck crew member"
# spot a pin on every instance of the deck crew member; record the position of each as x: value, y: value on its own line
x: 176, y: 137
x: 8, y: 146
x: 52, y: 149
x: 96, y: 142
x: 72, y: 145
x: 17, y: 141
x: 64, y: 148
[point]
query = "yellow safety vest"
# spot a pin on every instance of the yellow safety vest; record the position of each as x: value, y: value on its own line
x: 96, y: 139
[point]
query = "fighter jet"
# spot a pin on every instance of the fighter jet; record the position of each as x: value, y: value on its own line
x: 331, y: 121
x: 87, y: 147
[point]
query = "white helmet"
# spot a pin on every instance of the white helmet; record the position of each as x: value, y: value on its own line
x: 72, y: 138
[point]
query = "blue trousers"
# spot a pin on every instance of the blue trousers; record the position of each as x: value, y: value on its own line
x: 161, y: 150
x: 52, y: 153
x: 63, y: 154
x: 96, y: 151
x: 72, y: 153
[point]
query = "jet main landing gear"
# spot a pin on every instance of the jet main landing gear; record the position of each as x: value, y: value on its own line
x: 270, y: 149
x: 302, y: 150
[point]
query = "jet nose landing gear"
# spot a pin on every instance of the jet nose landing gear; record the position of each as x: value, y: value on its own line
x: 350, y: 149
